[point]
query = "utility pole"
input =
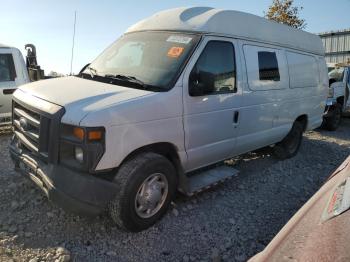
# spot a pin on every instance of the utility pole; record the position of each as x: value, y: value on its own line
x: 71, y: 61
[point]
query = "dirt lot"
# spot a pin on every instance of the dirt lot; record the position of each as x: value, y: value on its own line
x: 231, y: 222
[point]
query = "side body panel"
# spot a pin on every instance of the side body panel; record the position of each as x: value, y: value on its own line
x: 308, y: 90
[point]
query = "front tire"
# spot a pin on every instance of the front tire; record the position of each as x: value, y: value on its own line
x: 290, y: 145
x: 147, y: 184
x: 332, y: 122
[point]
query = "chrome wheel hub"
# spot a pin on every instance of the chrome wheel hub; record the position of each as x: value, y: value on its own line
x: 151, y: 195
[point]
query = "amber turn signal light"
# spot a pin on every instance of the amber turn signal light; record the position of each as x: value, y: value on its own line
x: 95, y: 135
x: 78, y: 133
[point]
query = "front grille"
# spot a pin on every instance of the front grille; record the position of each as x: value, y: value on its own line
x: 31, y: 129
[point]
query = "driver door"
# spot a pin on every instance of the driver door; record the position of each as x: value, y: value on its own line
x: 7, y: 80
x: 211, y: 101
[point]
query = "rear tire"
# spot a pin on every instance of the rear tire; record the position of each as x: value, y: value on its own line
x: 290, y: 145
x: 147, y: 184
x: 332, y: 122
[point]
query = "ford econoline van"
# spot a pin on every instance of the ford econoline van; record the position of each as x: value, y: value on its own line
x: 182, y: 90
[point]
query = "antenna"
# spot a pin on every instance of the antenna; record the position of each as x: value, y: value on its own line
x: 71, y: 61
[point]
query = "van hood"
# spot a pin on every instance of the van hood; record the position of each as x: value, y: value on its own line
x: 80, y: 96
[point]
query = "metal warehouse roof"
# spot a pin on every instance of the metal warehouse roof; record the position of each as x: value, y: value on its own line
x: 337, y: 32
x: 232, y: 23
x: 337, y: 45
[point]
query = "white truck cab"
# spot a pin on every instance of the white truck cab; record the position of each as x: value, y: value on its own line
x: 338, y: 101
x: 179, y: 92
x: 13, y: 73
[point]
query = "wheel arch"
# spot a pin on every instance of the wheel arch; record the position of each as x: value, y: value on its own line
x: 303, y: 119
x: 166, y: 149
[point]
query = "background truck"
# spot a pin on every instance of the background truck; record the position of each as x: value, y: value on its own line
x: 338, y: 97
x: 15, y: 71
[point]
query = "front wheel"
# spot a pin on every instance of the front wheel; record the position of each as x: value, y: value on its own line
x: 332, y: 122
x: 147, y: 184
x: 290, y: 145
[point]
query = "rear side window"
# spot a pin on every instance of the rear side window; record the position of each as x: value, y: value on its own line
x: 303, y: 70
x: 268, y: 66
x: 7, y: 68
x: 215, y: 70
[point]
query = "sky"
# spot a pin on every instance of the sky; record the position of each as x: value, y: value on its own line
x: 48, y: 24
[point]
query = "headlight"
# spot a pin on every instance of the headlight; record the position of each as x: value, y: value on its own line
x: 79, y: 154
x: 91, y: 135
x: 81, y: 147
x: 330, y: 92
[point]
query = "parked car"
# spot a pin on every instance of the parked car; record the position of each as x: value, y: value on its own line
x: 178, y: 92
x: 319, y: 231
x: 338, y: 98
x: 13, y: 73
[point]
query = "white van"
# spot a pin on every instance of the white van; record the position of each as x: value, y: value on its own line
x: 179, y: 91
x: 13, y: 73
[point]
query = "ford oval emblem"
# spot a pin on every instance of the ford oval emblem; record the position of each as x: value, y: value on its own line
x: 23, y: 123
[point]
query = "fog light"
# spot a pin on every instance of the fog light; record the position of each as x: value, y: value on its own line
x: 79, y: 154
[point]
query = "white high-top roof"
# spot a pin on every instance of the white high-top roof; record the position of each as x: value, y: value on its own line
x: 230, y: 23
x: 4, y: 46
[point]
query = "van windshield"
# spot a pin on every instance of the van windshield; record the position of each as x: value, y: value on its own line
x: 144, y: 58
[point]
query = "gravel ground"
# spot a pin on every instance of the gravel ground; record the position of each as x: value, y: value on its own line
x: 231, y: 222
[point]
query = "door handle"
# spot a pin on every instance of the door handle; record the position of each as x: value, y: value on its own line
x: 235, y: 117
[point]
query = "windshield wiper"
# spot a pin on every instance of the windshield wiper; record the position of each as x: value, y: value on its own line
x: 126, y: 78
x: 134, y: 80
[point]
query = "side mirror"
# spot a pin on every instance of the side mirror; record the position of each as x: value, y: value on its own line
x: 201, y: 83
x: 195, y: 86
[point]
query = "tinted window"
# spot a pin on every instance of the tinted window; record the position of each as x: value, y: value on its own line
x: 7, y: 68
x: 214, y: 72
x: 268, y: 66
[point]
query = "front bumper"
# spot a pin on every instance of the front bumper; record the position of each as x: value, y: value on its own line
x: 80, y: 193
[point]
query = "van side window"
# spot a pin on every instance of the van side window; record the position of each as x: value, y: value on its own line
x: 7, y: 68
x: 215, y: 70
x: 303, y: 70
x: 268, y: 66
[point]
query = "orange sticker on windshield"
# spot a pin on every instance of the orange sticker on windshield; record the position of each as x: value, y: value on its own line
x: 175, y: 51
